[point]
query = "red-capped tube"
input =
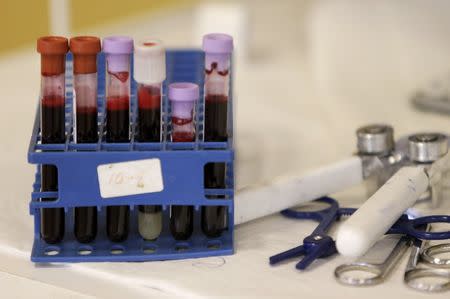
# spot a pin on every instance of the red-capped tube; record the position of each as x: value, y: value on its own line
x: 84, y: 50
x: 53, y: 51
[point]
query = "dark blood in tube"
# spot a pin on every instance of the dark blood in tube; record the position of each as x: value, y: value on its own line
x: 214, y: 217
x: 117, y: 119
x: 183, y: 97
x: 52, y: 129
x: 53, y: 51
x: 118, y: 50
x: 218, y: 48
x: 85, y: 49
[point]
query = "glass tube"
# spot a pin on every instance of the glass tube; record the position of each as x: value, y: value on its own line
x: 84, y: 50
x: 218, y: 48
x: 53, y: 51
x: 117, y: 50
x: 183, y: 97
x: 149, y: 73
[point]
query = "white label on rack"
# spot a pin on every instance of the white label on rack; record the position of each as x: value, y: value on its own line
x: 130, y: 178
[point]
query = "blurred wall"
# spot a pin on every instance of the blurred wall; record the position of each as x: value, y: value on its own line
x: 21, y: 21
x: 86, y: 13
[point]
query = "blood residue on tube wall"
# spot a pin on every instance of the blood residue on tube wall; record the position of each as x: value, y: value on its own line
x: 149, y: 113
x: 181, y: 134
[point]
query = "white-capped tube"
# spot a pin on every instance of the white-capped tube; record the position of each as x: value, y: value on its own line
x: 376, y: 216
x: 286, y: 192
x: 149, y: 61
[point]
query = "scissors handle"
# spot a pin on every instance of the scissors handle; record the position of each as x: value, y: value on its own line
x: 429, y: 255
x: 342, y: 271
x: 291, y: 253
x: 413, y: 278
x: 415, y: 229
x: 379, y: 270
x: 414, y: 273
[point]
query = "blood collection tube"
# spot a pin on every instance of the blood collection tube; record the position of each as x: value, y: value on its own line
x: 84, y: 50
x: 149, y: 73
x: 218, y: 48
x: 183, y: 97
x: 53, y: 51
x: 118, y: 51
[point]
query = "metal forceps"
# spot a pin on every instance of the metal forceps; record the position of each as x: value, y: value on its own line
x: 414, y: 274
x: 379, y: 270
x: 320, y: 245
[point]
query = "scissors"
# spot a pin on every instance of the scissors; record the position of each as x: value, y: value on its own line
x: 320, y: 245
x: 437, y: 279
x: 376, y: 272
x: 368, y: 271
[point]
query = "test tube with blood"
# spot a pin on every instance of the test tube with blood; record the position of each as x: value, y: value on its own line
x: 84, y: 50
x: 183, y: 97
x: 118, y: 51
x: 53, y: 51
x: 218, y: 48
x: 149, y: 73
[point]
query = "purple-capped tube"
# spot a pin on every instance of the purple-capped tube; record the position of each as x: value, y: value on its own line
x: 118, y: 51
x: 182, y: 97
x: 218, y: 48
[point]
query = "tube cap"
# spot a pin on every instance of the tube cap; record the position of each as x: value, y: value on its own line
x: 218, y: 43
x: 52, y: 50
x: 217, y: 47
x: 52, y: 45
x: 183, y: 92
x: 118, y: 50
x: 427, y: 147
x: 118, y: 45
x: 183, y: 96
x: 149, y: 61
x: 85, y: 49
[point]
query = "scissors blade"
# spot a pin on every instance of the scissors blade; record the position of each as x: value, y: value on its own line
x: 291, y: 253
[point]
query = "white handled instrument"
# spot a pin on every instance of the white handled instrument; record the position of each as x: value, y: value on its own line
x: 259, y: 201
x: 376, y: 216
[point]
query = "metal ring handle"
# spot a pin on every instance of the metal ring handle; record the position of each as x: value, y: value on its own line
x: 412, y: 279
x: 428, y: 255
x: 354, y: 281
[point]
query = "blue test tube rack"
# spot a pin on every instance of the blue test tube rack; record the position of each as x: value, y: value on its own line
x: 182, y: 167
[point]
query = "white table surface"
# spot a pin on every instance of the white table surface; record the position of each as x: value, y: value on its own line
x: 297, y: 108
